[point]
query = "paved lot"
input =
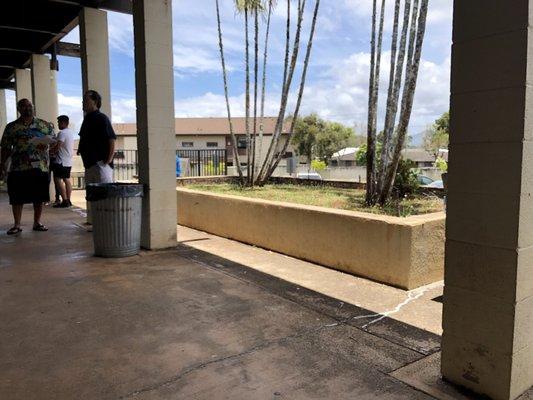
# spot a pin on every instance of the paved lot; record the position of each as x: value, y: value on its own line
x: 182, y: 324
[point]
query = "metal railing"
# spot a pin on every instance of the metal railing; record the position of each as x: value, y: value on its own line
x: 193, y: 163
x: 126, y: 165
x: 196, y: 163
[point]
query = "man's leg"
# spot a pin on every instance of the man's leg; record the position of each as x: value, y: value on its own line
x: 68, y: 188
x: 92, y: 175
x: 17, y: 214
x: 59, y: 184
x: 37, y: 212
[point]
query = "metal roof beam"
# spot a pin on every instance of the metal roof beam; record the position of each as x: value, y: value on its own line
x: 120, y: 6
x: 7, y: 85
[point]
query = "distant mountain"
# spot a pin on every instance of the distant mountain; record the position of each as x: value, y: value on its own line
x: 417, y: 140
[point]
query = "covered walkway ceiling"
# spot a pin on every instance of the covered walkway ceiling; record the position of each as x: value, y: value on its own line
x: 35, y: 27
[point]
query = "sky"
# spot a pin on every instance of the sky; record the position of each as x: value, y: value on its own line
x: 337, y: 83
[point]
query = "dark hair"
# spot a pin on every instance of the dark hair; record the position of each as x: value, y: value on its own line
x: 63, y: 118
x: 22, y: 101
x: 95, y: 96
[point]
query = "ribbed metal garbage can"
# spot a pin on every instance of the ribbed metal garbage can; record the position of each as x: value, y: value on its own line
x: 116, y: 216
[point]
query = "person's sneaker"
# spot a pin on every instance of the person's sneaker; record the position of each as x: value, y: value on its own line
x: 63, y: 204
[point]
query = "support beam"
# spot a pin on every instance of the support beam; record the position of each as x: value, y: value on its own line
x: 488, y: 299
x: 156, y: 139
x: 94, y: 45
x: 3, y: 111
x: 7, y: 85
x: 23, y: 84
x: 66, y: 49
x: 44, y: 88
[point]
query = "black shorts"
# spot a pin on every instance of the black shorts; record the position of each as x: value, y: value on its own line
x: 60, y: 171
x: 28, y: 187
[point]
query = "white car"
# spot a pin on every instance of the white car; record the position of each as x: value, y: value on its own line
x: 436, y: 185
x: 312, y: 176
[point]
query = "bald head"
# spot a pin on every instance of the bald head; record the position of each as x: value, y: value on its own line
x: 25, y: 108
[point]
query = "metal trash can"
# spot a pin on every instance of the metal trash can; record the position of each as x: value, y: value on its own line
x: 116, y: 216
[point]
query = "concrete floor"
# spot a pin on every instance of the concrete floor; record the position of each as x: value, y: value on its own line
x: 189, y: 323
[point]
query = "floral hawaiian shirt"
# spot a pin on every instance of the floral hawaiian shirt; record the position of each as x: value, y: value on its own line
x: 25, y: 153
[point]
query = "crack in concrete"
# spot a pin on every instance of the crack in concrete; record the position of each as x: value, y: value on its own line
x: 411, y: 296
x: 199, y: 366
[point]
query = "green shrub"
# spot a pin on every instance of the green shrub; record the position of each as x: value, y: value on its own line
x: 406, y: 182
x: 318, y: 165
x: 441, y: 164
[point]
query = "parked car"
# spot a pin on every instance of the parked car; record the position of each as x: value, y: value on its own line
x: 313, y: 176
x: 436, y: 185
x: 424, y: 180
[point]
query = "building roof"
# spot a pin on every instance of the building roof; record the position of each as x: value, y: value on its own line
x: 205, y: 126
x: 35, y: 27
x: 418, y: 155
x: 346, y: 152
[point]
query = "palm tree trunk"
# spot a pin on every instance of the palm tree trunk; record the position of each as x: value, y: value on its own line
x: 407, y: 100
x: 285, y: 95
x: 263, y: 85
x: 247, y: 101
x: 256, y: 73
x: 373, y: 102
x: 225, y: 78
x: 287, y: 43
x: 300, y: 92
x: 392, y: 81
x: 392, y: 106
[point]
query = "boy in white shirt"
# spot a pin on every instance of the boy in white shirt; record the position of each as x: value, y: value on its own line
x: 63, y: 161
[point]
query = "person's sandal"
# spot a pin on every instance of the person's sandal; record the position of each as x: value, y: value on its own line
x: 40, y: 228
x: 14, y: 231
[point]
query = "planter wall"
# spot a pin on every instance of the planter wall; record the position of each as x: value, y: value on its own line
x: 403, y: 252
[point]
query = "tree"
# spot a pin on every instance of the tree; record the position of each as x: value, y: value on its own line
x: 253, y: 9
x: 406, y: 49
x: 437, y: 136
x: 335, y: 137
x: 317, y: 138
x: 306, y: 132
x: 360, y: 156
x: 228, y: 109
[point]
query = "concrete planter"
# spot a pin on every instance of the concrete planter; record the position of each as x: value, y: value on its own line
x: 402, y: 252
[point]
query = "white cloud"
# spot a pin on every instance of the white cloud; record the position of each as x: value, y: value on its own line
x: 342, y: 95
x: 11, y: 105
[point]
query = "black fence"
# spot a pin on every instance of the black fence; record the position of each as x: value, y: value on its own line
x: 126, y: 165
x: 192, y: 163
x: 196, y: 163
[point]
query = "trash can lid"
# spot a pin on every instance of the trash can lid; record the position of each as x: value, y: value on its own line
x: 102, y: 191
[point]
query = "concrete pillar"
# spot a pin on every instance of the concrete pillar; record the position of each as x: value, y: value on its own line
x: 44, y: 88
x: 94, y: 46
x: 488, y: 300
x: 3, y: 111
x: 156, y: 140
x: 23, y: 84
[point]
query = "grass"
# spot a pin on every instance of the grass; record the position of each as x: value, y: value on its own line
x: 323, y: 196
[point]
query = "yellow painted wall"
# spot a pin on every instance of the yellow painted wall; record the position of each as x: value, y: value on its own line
x: 403, y: 252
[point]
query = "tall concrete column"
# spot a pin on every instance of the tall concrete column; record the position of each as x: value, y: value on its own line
x: 94, y: 46
x: 156, y: 138
x: 3, y: 111
x: 23, y: 84
x: 488, y: 300
x: 44, y: 88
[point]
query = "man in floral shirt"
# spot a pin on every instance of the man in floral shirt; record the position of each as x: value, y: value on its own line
x: 26, y: 144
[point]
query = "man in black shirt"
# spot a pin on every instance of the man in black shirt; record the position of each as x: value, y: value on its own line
x: 97, y: 141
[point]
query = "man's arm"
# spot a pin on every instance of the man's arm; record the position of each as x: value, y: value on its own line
x: 111, y: 154
x: 5, y: 152
x: 110, y: 134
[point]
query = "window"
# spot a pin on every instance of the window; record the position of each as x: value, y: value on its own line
x: 241, y: 143
x: 212, y: 144
x: 187, y: 144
